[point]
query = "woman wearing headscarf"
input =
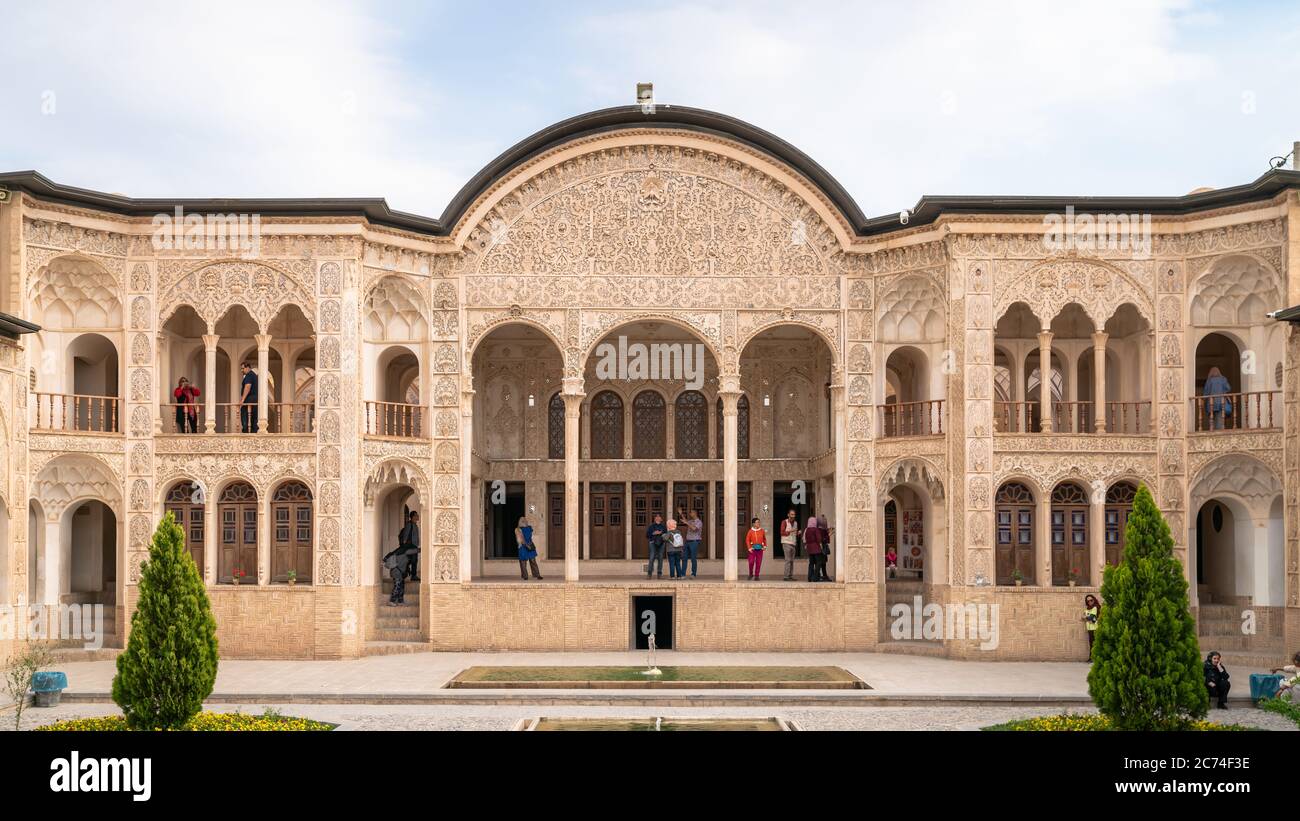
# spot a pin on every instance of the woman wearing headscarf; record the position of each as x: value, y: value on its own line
x: 1216, y: 408
x: 825, y: 530
x: 1216, y: 679
x: 812, y: 542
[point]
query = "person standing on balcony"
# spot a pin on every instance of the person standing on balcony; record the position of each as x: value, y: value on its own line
x: 790, y: 542
x: 247, y: 399
x: 527, y: 550
x: 187, y: 413
x: 812, y: 542
x: 654, y: 536
x: 1216, y: 384
x: 694, y: 535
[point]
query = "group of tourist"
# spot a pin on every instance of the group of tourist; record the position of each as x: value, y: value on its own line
x: 815, y: 537
x: 678, y: 541
x: 186, y: 397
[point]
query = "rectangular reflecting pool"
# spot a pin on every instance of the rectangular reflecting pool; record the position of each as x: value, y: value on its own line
x: 658, y: 724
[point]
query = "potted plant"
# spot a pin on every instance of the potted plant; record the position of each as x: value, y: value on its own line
x: 236, y: 575
x: 1018, y: 577
x: 1074, y: 577
x: 293, y: 577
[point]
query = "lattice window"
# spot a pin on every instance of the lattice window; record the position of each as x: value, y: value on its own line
x: 1122, y: 493
x: 649, y: 426
x: 692, y: 426
x: 607, y: 426
x: 1014, y: 493
x: 555, y: 427
x: 1069, y: 493
x: 185, y: 502
x: 291, y: 543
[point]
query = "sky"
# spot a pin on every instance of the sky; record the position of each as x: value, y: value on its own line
x: 407, y: 101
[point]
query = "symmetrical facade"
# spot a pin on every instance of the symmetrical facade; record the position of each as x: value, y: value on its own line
x: 886, y: 373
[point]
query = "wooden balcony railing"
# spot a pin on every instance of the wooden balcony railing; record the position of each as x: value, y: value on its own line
x: 1128, y: 417
x: 394, y: 419
x: 1072, y: 417
x: 923, y: 418
x: 230, y: 419
x: 1015, y: 417
x: 1260, y: 410
x: 75, y: 412
x: 289, y: 417
x: 178, y: 418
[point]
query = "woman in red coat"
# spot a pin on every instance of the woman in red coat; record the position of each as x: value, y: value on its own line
x: 812, y: 542
x: 187, y: 411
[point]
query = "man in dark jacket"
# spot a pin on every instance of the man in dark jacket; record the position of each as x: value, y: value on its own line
x: 409, y: 540
x: 654, y: 537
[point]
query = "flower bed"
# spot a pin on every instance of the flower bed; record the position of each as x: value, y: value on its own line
x: 203, y: 722
x: 1092, y: 722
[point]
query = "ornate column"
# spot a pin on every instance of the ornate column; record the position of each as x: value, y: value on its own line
x: 164, y: 384
x: 467, y: 478
x: 839, y: 439
x: 1096, y: 534
x: 210, y: 383
x: 1043, y: 540
x: 53, y: 545
x: 1045, y: 380
x: 729, y: 392
x: 573, y: 395
x: 263, y: 381
x: 1099, y: 380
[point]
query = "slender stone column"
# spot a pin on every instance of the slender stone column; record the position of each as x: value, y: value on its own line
x: 53, y: 562
x: 839, y: 438
x: 1045, y: 380
x: 467, y: 535
x: 1043, y: 553
x: 210, y: 383
x: 263, y: 381
x: 1096, y: 536
x: 165, y: 386
x: 1099, y: 380
x: 730, y: 395
x: 573, y: 396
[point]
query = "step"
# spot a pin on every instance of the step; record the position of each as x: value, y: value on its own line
x: 401, y: 611
x: 397, y: 622
x: 394, y: 648
x: 70, y: 654
x: 1240, y: 665
x: 406, y: 634
x: 912, y: 647
x: 1255, y: 645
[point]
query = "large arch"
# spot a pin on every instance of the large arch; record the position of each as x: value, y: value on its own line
x: 1242, y: 562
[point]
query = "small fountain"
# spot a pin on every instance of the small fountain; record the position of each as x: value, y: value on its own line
x: 651, y: 669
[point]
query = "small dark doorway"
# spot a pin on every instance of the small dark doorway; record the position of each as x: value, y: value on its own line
x: 782, y: 494
x: 502, y: 517
x: 652, y: 615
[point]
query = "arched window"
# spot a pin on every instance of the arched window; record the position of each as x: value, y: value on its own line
x: 237, y: 511
x: 649, y: 426
x: 691, y: 423
x: 1069, y: 533
x: 742, y: 429
x: 1119, y: 504
x: 607, y: 426
x: 1015, y: 533
x: 555, y: 427
x: 291, y: 533
x: 185, y: 502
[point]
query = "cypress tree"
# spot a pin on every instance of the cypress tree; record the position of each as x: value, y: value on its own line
x: 170, y: 662
x: 1147, y: 672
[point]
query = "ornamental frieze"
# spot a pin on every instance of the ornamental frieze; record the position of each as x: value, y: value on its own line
x: 895, y: 260
x: 45, y: 233
x: 619, y: 292
x: 1099, y: 288
x: 1266, y: 447
x: 750, y: 324
x: 261, y: 471
x: 597, y: 324
x: 234, y: 446
x: 380, y: 260
x: 1065, y: 443
x: 651, y: 210
x: 1048, y: 471
x: 262, y: 288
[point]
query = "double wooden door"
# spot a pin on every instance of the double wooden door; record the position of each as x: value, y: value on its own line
x: 743, y: 508
x: 649, y: 499
x: 608, y: 526
x: 555, y: 520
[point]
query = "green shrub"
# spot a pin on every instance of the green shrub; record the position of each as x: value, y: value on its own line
x: 1283, y: 706
x: 1147, y: 670
x: 170, y: 662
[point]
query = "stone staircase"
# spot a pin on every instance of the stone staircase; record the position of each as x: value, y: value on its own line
x: 901, y: 591
x: 397, y: 629
x: 73, y: 649
x: 1218, y: 629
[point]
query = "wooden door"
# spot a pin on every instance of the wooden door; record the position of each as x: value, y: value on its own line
x: 743, y: 514
x: 1119, y: 504
x: 690, y: 496
x: 555, y: 520
x: 1069, y: 534
x: 186, y: 504
x: 237, y: 510
x: 291, y: 533
x: 1015, y: 533
x: 607, y: 523
x: 648, y: 499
